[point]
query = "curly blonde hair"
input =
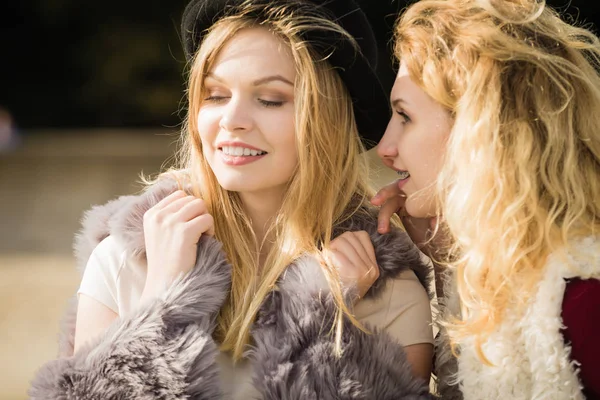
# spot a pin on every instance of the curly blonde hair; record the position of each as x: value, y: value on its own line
x: 521, y: 175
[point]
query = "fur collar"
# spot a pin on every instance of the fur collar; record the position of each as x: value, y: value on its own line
x: 164, y: 349
x: 123, y: 218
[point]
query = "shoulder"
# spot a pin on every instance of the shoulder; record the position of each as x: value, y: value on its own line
x: 101, y: 273
x: 113, y: 277
x: 109, y: 253
x: 121, y: 217
x: 111, y: 259
x: 402, y: 309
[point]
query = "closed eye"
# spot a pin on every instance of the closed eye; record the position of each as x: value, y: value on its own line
x: 216, y: 99
x: 404, y: 116
x: 268, y: 103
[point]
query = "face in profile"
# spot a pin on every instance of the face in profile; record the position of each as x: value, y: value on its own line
x: 414, y: 143
x: 246, y: 118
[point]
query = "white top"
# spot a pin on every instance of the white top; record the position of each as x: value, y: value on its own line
x: 116, y: 280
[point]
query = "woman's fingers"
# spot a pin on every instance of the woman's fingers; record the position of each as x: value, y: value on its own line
x: 353, y: 254
x: 387, y: 210
x: 190, y: 210
x: 179, y: 194
x: 357, y: 248
x: 172, y: 229
x: 367, y: 245
x: 175, y: 206
x: 387, y: 192
x: 351, y: 247
x: 202, y: 224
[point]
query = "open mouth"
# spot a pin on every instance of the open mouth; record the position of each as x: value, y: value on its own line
x: 238, y: 151
x: 403, y: 175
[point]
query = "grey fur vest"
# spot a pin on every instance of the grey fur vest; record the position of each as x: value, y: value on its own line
x: 165, y: 350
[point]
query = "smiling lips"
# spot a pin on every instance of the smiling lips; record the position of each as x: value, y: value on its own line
x: 240, y: 155
x: 403, y: 174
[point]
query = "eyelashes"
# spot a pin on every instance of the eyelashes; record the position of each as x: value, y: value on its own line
x: 216, y: 99
x: 404, y: 116
x: 265, y: 103
x: 268, y: 103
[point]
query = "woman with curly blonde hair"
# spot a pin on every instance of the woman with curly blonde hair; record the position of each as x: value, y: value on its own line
x: 496, y: 138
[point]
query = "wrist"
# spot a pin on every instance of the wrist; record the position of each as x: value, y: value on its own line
x: 152, y: 288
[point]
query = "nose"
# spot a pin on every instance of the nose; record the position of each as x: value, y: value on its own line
x: 387, y: 149
x: 236, y: 116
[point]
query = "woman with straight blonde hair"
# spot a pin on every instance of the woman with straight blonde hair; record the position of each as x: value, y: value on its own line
x: 496, y: 138
x: 255, y: 270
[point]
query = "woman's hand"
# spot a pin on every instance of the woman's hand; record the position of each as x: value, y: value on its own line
x: 391, y: 199
x: 354, y: 256
x: 172, y: 229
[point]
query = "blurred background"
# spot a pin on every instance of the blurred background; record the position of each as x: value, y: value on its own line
x: 91, y: 95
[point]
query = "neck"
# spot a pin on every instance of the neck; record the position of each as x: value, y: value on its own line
x: 262, y: 208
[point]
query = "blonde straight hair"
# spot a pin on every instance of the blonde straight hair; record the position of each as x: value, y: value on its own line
x: 331, y: 173
x: 521, y: 174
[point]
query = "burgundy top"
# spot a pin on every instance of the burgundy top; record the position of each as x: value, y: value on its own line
x: 581, y: 318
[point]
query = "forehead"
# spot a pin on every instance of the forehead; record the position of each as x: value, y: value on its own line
x: 403, y: 80
x: 253, y: 51
x: 406, y: 88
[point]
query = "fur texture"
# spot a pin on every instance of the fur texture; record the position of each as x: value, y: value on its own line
x: 294, y: 351
x: 165, y: 349
x: 445, y: 362
x: 162, y: 351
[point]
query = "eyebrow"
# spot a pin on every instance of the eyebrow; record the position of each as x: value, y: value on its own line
x: 397, y: 101
x: 271, y: 78
x: 258, y: 82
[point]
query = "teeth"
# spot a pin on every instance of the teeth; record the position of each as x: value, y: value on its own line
x: 403, y: 174
x: 241, y: 151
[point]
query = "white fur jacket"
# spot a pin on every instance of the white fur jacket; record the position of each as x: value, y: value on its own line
x: 165, y: 350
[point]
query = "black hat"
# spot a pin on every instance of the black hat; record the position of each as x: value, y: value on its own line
x: 357, y: 69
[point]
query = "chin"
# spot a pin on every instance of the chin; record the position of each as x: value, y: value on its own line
x: 418, y: 210
x: 233, y: 183
x: 234, y: 186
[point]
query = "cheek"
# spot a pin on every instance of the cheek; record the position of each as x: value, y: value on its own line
x: 208, y: 127
x: 208, y: 120
x: 284, y: 142
x: 422, y: 154
x: 288, y: 147
x: 413, y: 152
x: 278, y: 127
